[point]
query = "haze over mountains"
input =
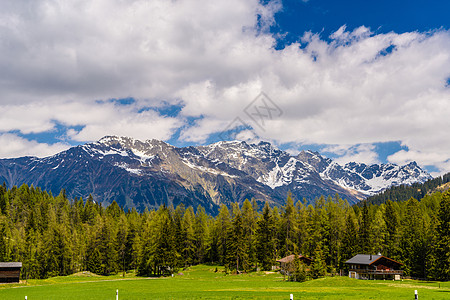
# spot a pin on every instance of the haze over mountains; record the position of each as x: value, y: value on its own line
x: 149, y: 173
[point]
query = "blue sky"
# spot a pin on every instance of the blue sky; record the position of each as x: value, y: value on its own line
x: 355, y: 80
x: 326, y: 16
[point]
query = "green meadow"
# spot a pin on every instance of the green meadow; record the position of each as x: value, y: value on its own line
x: 203, y: 282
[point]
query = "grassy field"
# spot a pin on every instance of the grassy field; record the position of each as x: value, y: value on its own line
x: 201, y: 282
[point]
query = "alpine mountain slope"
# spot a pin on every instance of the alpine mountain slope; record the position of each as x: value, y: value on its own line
x: 147, y: 174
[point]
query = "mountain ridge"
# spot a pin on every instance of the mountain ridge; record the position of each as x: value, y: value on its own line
x: 146, y: 174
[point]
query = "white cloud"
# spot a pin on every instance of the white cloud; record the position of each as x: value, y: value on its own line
x: 202, y: 128
x: 249, y: 136
x: 97, y: 119
x: 142, y: 126
x: 352, y: 93
x: 15, y: 146
x: 58, y: 57
x: 440, y: 159
x: 87, y: 50
x: 364, y: 153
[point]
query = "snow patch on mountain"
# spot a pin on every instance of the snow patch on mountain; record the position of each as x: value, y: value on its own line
x: 144, y: 158
x: 280, y: 176
x: 128, y: 168
x: 265, y: 163
x: 208, y: 175
x: 373, y: 179
x: 102, y: 152
x: 206, y: 169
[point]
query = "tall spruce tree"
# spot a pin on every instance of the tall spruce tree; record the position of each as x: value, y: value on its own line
x: 350, y: 236
x: 249, y: 220
x: 289, y: 228
x: 5, y: 239
x: 133, y: 243
x: 188, y: 234
x: 391, y: 237
x: 441, y: 254
x: 165, y: 253
x: 222, y: 232
x: 378, y: 230
x: 237, y: 249
x: 201, y: 235
x: 335, y: 221
x: 302, y: 224
x: 265, y: 239
x: 412, y: 240
x: 318, y: 266
x: 121, y: 242
x: 364, y: 234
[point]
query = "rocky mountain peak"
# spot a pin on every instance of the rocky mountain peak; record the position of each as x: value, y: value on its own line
x: 318, y: 162
x: 148, y: 173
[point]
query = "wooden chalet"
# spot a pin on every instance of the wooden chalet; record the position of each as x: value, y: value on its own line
x: 287, y: 263
x: 368, y: 266
x: 10, y: 272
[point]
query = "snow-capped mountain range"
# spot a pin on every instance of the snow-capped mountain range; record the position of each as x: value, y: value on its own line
x: 149, y: 173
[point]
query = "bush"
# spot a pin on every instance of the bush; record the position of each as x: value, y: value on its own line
x: 299, y: 273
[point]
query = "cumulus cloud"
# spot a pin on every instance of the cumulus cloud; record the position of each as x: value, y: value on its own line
x: 96, y: 119
x: 364, y: 153
x: 15, y: 146
x: 57, y: 58
x: 439, y: 159
x: 360, y: 88
x: 104, y: 49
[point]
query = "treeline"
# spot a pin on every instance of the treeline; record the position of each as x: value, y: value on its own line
x: 58, y: 236
x: 404, y: 192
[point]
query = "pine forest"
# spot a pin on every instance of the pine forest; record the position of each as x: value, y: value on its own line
x: 54, y: 235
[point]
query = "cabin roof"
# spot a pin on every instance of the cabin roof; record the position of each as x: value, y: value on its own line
x: 10, y: 264
x: 363, y: 259
x: 290, y: 258
x: 367, y: 259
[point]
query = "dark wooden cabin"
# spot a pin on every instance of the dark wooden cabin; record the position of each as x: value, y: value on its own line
x: 10, y: 272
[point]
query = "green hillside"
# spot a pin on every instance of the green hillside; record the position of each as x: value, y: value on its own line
x: 416, y: 190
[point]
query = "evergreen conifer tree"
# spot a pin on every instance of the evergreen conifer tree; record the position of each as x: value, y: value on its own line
x: 391, y: 219
x: 318, y: 266
x: 364, y: 231
x: 412, y: 240
x: 265, y: 239
x: 237, y: 249
x: 350, y: 236
x: 441, y: 253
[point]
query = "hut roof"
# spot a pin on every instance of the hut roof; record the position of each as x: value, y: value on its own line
x: 10, y: 264
x: 290, y: 258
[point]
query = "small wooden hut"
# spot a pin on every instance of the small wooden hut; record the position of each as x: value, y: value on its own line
x: 10, y: 272
x: 287, y: 263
